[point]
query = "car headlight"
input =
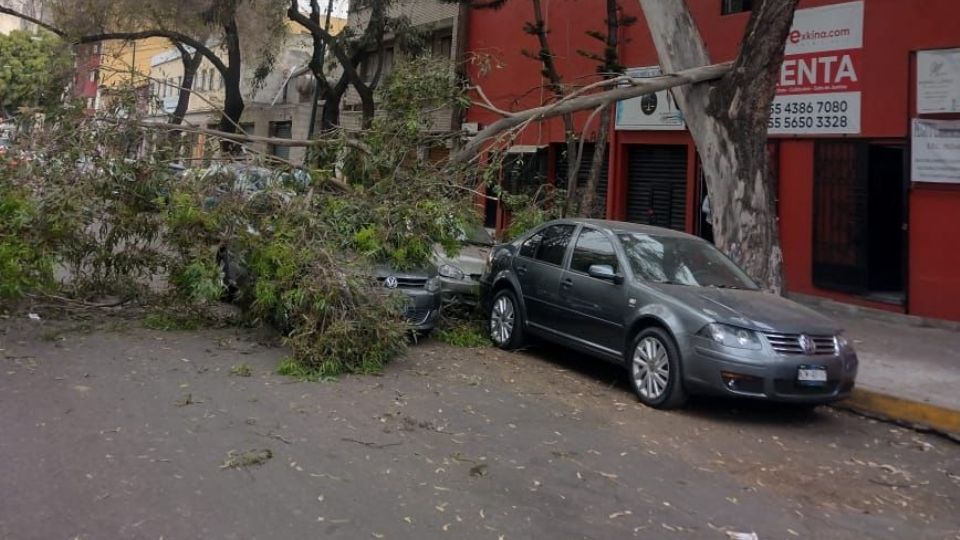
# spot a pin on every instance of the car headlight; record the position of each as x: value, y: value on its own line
x: 732, y: 336
x: 842, y: 343
x: 432, y: 285
x: 450, y: 271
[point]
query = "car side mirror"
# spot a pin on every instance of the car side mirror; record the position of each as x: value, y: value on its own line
x: 604, y: 272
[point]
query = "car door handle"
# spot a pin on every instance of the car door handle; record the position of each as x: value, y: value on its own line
x: 566, y: 284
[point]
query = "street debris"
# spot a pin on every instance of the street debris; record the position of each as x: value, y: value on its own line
x: 732, y: 535
x: 250, y: 458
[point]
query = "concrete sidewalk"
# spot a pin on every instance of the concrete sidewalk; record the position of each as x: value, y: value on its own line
x: 909, y: 371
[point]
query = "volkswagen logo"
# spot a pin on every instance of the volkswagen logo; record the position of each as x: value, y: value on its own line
x: 807, y: 344
x: 390, y: 282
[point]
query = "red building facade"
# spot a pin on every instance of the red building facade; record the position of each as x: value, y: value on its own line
x: 86, y: 83
x: 857, y: 225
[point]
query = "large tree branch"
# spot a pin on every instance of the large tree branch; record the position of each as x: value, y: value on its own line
x: 33, y: 20
x: 193, y: 43
x: 319, y: 34
x: 575, y: 103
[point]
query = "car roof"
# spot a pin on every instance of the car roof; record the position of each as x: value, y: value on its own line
x: 625, y: 227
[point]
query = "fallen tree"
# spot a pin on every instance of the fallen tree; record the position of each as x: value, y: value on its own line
x: 584, y: 101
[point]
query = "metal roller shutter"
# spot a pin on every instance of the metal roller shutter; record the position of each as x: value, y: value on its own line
x: 657, y: 186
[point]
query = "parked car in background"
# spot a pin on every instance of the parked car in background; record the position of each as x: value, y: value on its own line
x: 423, y: 291
x: 460, y: 274
x: 421, y: 286
x: 669, y: 307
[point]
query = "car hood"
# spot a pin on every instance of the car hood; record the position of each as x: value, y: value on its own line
x: 471, y: 258
x: 384, y: 271
x: 751, y: 309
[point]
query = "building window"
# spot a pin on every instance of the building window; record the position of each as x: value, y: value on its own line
x: 93, y: 76
x: 281, y: 130
x: 369, y: 69
x: 442, y: 46
x: 728, y: 7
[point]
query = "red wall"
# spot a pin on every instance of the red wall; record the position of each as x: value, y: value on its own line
x: 87, y: 61
x: 935, y: 252
x: 893, y: 31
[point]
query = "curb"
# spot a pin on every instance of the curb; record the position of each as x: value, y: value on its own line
x: 912, y: 413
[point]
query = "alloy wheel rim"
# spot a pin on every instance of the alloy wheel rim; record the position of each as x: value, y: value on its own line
x: 502, y: 319
x: 651, y: 368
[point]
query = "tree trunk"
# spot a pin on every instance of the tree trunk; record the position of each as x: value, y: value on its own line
x: 728, y: 123
x: 611, y: 64
x: 191, y: 64
x: 588, y: 206
x: 330, y: 119
x: 550, y: 72
x: 321, y: 38
x: 233, y: 97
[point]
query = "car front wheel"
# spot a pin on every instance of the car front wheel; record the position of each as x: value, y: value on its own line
x: 506, y: 321
x: 655, y: 370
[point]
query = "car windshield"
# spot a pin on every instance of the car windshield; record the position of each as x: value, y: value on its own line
x: 475, y: 234
x: 676, y: 260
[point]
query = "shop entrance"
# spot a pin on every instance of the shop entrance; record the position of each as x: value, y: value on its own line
x: 657, y: 185
x: 859, y: 219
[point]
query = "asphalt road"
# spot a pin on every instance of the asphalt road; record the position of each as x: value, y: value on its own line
x: 131, y: 433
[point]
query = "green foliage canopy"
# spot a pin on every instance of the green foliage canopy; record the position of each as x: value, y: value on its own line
x: 34, y: 69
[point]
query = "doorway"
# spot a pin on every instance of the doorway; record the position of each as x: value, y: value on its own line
x: 859, y: 217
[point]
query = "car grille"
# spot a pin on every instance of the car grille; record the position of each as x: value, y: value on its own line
x: 417, y: 315
x: 790, y: 344
x: 407, y: 282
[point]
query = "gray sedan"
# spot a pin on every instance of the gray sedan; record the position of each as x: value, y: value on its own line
x: 671, y: 308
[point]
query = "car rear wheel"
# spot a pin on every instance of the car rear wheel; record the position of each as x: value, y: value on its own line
x: 655, y: 370
x: 506, y: 321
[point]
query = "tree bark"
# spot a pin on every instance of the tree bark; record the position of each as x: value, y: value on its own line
x: 233, y: 97
x: 728, y: 122
x: 550, y: 72
x: 330, y: 119
x: 323, y: 38
x: 577, y: 103
x: 588, y: 206
x: 191, y: 64
x: 611, y: 56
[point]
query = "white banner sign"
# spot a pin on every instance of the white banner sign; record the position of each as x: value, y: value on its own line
x: 938, y: 81
x: 656, y: 111
x: 819, y: 87
x: 935, y: 151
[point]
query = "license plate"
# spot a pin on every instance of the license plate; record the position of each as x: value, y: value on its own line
x: 812, y: 375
